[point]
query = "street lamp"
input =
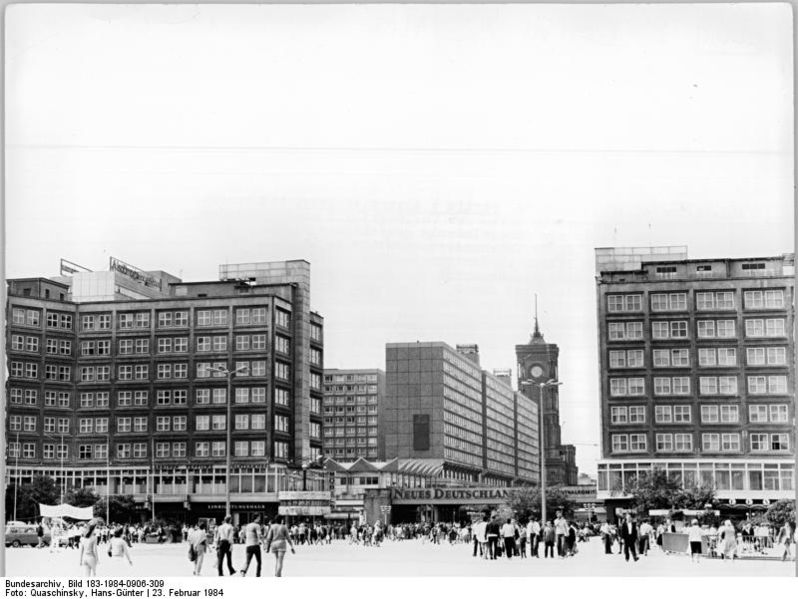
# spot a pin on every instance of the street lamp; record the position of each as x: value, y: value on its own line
x: 542, y: 442
x: 229, y: 374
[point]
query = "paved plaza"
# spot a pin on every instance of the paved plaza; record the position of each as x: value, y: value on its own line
x: 400, y: 558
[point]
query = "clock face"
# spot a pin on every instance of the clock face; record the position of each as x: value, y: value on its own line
x: 536, y: 371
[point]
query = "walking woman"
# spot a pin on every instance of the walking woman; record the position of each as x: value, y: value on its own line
x: 88, y: 550
x: 198, y: 546
x: 277, y: 541
x: 729, y: 547
x: 117, y: 551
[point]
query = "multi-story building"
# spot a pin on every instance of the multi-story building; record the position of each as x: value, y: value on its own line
x: 352, y: 400
x: 697, y: 376
x: 117, y: 382
x: 442, y: 407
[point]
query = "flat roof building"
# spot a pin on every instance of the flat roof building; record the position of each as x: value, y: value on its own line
x: 352, y: 401
x: 696, y: 360
x: 115, y: 372
x: 440, y: 405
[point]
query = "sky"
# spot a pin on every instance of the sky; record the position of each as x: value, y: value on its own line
x: 438, y: 165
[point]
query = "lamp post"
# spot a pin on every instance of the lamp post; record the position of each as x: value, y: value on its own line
x: 229, y: 374
x: 542, y: 442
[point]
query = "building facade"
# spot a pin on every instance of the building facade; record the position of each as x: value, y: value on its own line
x: 538, y: 363
x: 352, y: 401
x: 697, y: 371
x: 117, y: 382
x: 440, y: 405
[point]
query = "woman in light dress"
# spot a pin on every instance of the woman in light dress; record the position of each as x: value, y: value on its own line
x: 729, y: 542
x: 88, y: 550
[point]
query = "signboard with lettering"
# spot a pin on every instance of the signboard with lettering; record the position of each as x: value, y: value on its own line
x: 455, y: 496
x: 134, y: 273
x: 304, y: 510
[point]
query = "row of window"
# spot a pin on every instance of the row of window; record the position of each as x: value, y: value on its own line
x: 705, y: 329
x: 710, y: 442
x: 707, y: 385
x: 768, y: 299
x: 710, y: 414
x: 707, y: 356
x: 349, y: 378
x: 176, y: 449
x: 164, y: 397
x: 179, y: 345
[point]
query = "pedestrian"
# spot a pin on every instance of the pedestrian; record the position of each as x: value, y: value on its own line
x: 729, y: 544
x: 225, y: 536
x: 252, y: 541
x: 549, y: 539
x: 694, y: 535
x: 40, y: 534
x: 561, y: 531
x: 570, y: 540
x: 481, y: 537
x: 492, y: 531
x: 606, y: 536
x: 117, y: 551
x: 508, y: 535
x: 277, y: 542
x: 629, y: 536
x: 198, y: 546
x: 533, y: 532
x: 786, y: 536
x: 88, y: 550
x: 644, y: 542
x: 522, y: 541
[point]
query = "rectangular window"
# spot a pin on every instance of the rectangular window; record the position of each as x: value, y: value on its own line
x: 202, y: 449
x: 282, y: 397
x: 727, y: 356
x: 709, y: 414
x: 710, y: 442
x: 774, y: 298
x: 163, y: 424
x: 125, y: 372
x: 282, y: 319
x: 620, y: 443
x: 142, y: 372
x: 637, y: 414
x: 241, y: 449
x: 774, y: 327
x: 727, y: 385
x: 241, y: 422
x: 219, y: 396
x: 664, y: 442
x: 219, y: 343
x: 281, y: 450
x: 139, y: 450
x: 708, y: 385
x: 758, y: 413
x: 683, y: 442
x: 124, y: 425
x: 125, y: 346
x: 258, y: 421
x: 141, y: 398
x: 682, y: 414
x: 202, y: 423
x: 662, y: 385
x: 619, y: 415
x: 202, y: 397
x: 179, y: 423
x: 258, y: 395
x: 142, y: 346
x: 242, y: 342
x: 754, y: 327
x: 681, y: 385
x: 203, y: 318
x: 757, y: 385
x: 707, y: 357
x: 663, y: 414
x: 218, y: 422
x: 203, y: 344
x: 725, y: 329
x: 218, y: 449
x: 730, y: 442
x: 258, y: 448
x: 638, y: 442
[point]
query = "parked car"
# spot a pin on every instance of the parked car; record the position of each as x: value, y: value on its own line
x: 19, y: 535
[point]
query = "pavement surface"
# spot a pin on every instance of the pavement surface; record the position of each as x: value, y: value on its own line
x: 400, y: 558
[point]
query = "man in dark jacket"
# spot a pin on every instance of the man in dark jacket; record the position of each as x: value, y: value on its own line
x: 629, y: 536
x: 492, y: 531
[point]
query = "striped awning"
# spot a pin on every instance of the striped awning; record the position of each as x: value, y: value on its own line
x: 421, y: 467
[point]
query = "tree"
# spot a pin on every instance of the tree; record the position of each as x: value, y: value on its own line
x: 81, y: 497
x: 781, y: 512
x: 41, y: 489
x: 123, y: 509
x: 655, y: 490
x: 525, y: 502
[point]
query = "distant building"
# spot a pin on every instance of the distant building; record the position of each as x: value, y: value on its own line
x: 538, y: 362
x: 696, y: 359
x: 352, y: 401
x: 441, y: 406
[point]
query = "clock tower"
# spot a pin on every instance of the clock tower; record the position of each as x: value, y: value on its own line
x: 538, y: 364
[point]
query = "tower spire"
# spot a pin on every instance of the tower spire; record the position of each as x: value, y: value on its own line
x: 537, y: 336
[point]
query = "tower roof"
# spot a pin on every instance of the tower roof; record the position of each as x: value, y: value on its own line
x: 537, y: 336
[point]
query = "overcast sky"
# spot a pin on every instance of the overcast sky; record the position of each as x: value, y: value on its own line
x: 437, y: 165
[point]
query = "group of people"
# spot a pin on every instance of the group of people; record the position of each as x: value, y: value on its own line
x: 722, y: 541
x: 273, y: 537
x: 493, y: 538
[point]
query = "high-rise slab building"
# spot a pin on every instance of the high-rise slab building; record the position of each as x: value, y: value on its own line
x: 117, y: 378
x: 352, y: 401
x: 697, y: 371
x: 443, y: 409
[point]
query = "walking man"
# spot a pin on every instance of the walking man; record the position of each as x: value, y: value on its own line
x: 561, y: 531
x: 253, y: 536
x: 629, y: 536
x: 225, y: 535
x: 606, y: 536
x: 508, y: 534
x: 533, y: 532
